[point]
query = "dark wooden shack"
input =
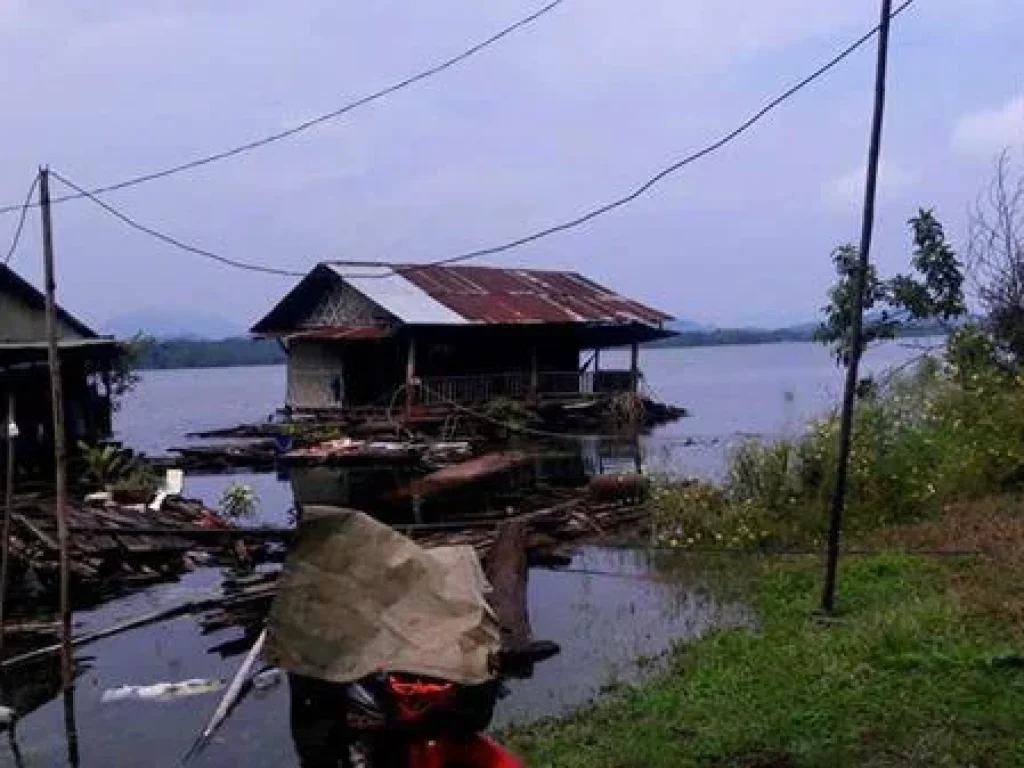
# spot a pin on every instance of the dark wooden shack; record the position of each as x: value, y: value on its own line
x: 364, y: 335
x: 86, y: 362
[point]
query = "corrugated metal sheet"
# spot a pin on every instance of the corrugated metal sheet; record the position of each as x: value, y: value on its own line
x: 337, y: 334
x: 432, y: 295
x: 402, y: 298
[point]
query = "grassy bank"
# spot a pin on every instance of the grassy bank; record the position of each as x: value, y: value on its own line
x: 904, y: 677
x: 925, y: 664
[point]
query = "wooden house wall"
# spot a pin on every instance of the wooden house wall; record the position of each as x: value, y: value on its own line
x: 23, y: 323
x: 87, y: 412
x: 332, y: 374
x: 315, y: 369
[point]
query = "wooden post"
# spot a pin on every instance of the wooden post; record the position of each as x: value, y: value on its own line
x: 71, y: 728
x: 506, y: 569
x: 534, y: 375
x: 410, y: 377
x: 838, y: 497
x: 59, y: 449
x: 634, y: 367
x: 5, y: 546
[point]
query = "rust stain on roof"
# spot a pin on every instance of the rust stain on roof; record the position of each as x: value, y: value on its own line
x: 493, y: 295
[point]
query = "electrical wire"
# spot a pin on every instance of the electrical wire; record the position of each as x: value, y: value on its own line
x: 21, y: 219
x: 571, y: 224
x: 680, y: 164
x: 168, y: 239
x: 312, y: 122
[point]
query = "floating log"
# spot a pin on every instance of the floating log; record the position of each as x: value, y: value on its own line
x: 465, y: 473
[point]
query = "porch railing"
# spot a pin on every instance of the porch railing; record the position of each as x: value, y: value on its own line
x: 436, y: 390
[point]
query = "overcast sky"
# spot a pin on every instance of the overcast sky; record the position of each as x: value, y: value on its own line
x: 556, y: 118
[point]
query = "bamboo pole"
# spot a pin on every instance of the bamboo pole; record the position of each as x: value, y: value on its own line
x: 59, y: 448
x: 10, y: 428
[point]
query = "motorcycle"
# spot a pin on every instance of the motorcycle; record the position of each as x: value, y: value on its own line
x: 391, y: 720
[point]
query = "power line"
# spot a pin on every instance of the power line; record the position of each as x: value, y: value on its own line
x: 664, y: 173
x: 304, y: 126
x: 21, y: 219
x: 125, y: 218
x: 571, y: 224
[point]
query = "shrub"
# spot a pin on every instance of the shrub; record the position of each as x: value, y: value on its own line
x: 943, y: 432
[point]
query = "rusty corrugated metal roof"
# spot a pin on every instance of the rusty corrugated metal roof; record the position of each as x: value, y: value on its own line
x: 495, y: 295
x: 419, y: 295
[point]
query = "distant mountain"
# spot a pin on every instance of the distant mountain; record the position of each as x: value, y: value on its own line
x: 173, y: 325
x: 684, y: 324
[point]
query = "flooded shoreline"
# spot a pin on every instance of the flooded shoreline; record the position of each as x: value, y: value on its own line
x: 609, y: 608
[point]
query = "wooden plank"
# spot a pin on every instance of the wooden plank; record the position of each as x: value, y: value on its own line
x: 45, y: 538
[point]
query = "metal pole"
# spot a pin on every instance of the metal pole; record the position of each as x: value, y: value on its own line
x: 59, y: 449
x: 5, y: 545
x: 838, y: 498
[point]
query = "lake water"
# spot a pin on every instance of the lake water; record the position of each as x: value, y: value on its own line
x: 732, y: 393
x: 610, y: 609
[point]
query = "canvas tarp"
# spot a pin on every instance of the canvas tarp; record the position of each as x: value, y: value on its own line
x: 357, y: 597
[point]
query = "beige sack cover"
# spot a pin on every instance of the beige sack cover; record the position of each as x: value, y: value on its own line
x: 356, y: 597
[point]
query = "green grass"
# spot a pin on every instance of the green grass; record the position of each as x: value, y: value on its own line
x: 900, y: 679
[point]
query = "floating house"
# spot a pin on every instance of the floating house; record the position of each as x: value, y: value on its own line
x: 86, y: 362
x: 368, y: 335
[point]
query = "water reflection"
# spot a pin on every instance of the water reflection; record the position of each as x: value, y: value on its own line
x: 610, y: 608
x: 388, y: 492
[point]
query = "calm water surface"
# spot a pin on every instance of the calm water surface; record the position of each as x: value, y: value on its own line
x: 732, y: 393
x: 612, y: 608
x: 615, y: 607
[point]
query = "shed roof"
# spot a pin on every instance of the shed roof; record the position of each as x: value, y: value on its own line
x: 14, y: 284
x: 461, y: 295
x: 404, y: 299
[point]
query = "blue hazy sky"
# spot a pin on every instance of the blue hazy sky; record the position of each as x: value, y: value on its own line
x: 556, y: 118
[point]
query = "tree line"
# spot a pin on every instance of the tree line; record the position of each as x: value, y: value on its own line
x: 148, y: 353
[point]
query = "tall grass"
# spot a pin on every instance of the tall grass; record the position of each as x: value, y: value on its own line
x: 940, y: 433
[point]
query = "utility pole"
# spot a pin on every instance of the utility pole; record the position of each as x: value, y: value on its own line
x: 11, y: 431
x: 59, y: 448
x: 838, y: 498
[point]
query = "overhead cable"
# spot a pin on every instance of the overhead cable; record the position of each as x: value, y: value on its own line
x: 312, y: 122
x: 21, y: 219
x: 679, y: 164
x: 170, y: 240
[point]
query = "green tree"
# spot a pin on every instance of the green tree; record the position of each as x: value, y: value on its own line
x: 934, y: 293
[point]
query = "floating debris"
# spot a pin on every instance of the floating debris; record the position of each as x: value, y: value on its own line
x: 162, y: 691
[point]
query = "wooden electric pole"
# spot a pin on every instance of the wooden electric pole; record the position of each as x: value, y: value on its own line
x: 10, y: 430
x: 838, y: 498
x: 59, y: 448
